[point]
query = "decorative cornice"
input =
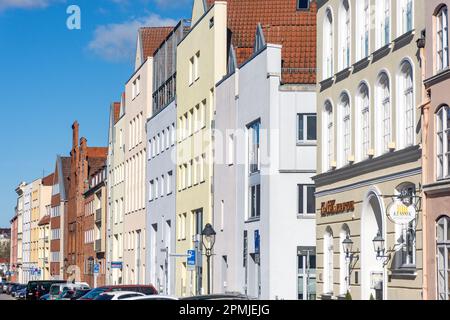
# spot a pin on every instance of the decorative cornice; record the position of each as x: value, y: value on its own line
x: 441, y: 76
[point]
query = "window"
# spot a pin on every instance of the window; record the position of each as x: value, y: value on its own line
x: 443, y: 258
x: 405, y: 233
x: 364, y: 113
x: 254, y: 201
x: 198, y: 221
x: 443, y: 142
x: 383, y: 112
x: 406, y: 101
x: 328, y: 268
x: 162, y: 186
x: 202, y: 167
x: 345, y: 134
x: 303, y: 4
x: 345, y: 31
x: 306, y: 199
x: 56, y: 233
x: 363, y: 28
x: 172, y: 134
x: 196, y: 66
x: 328, y: 47
x: 328, y: 142
x: 230, y: 149
x: 442, y: 39
x: 191, y: 71
x: 169, y: 182
x: 306, y: 273
x: 222, y: 214
x: 406, y: 19
x: 306, y: 128
x: 383, y: 23
x: 253, y: 146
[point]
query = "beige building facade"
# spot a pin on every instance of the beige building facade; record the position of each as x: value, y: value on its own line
x: 201, y: 63
x: 369, y: 157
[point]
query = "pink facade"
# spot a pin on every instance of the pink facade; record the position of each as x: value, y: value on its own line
x: 436, y: 153
x: 13, y: 254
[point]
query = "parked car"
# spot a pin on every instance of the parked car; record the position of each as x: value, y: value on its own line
x: 36, y: 289
x: 44, y: 297
x: 153, y: 297
x: 73, y: 294
x: 21, y: 294
x: 4, y: 286
x: 10, y: 287
x: 58, y: 289
x: 225, y: 296
x: 17, y: 288
x: 119, y: 295
x: 145, y: 289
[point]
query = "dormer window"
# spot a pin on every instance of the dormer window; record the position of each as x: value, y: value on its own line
x: 303, y: 4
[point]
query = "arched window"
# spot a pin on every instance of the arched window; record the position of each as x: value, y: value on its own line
x: 406, y: 108
x: 383, y: 112
x: 328, y: 44
x: 383, y: 23
x: 328, y: 142
x: 345, y: 31
x: 363, y: 28
x: 328, y: 253
x: 443, y: 257
x: 344, y: 264
x: 406, y: 18
x: 364, y: 115
x: 442, y: 39
x: 443, y: 142
x: 406, y: 233
x: 345, y: 129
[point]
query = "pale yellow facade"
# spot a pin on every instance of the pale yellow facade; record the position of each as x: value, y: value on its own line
x: 201, y: 63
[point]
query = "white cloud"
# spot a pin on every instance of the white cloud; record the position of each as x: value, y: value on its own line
x: 117, y: 41
x: 24, y: 4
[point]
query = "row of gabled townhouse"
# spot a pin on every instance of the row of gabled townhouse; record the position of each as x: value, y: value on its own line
x: 176, y: 118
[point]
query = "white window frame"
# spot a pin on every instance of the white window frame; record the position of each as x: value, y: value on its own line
x: 363, y: 29
x: 345, y: 35
x: 364, y: 111
x: 303, y: 138
x: 328, y: 265
x: 302, y: 189
x: 383, y: 113
x: 442, y: 145
x: 328, y: 44
x: 442, y: 261
x: 328, y: 142
x: 406, y: 102
x: 442, y: 54
x: 345, y: 135
x: 405, y: 20
x: 383, y: 23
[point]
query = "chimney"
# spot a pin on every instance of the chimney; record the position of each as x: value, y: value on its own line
x: 75, y: 133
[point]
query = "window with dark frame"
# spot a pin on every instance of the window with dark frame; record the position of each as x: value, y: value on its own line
x: 306, y: 199
x: 303, y: 4
x: 306, y: 128
x: 254, y: 201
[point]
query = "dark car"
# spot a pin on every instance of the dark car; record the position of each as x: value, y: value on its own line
x: 15, y: 289
x: 226, y: 296
x: 36, y: 289
x: 4, y: 286
x: 10, y: 286
x: 73, y: 294
x: 145, y: 289
x: 21, y: 294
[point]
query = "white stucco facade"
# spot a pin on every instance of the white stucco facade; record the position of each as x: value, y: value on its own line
x: 161, y: 184
x: 282, y: 165
x: 26, y: 233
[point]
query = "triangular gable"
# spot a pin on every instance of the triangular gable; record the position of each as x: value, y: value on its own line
x: 198, y: 10
x: 232, y: 61
x: 260, y: 41
x: 139, y: 51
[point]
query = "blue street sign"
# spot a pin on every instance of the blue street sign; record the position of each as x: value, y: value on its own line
x: 116, y: 265
x: 191, y: 261
x: 257, y: 242
x: 96, y: 268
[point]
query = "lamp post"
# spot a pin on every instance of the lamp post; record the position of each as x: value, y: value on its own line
x: 208, y: 240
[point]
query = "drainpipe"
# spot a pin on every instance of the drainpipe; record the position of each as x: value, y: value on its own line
x: 425, y: 108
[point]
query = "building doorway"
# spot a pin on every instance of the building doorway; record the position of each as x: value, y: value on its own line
x: 372, y: 269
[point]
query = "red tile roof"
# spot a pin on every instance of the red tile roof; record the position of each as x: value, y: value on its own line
x: 45, y: 220
x: 97, y: 152
x: 282, y: 24
x: 151, y: 38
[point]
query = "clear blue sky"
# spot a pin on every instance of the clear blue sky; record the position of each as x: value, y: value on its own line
x: 51, y: 76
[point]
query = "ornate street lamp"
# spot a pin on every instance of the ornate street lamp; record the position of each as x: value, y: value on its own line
x: 380, y: 249
x: 208, y: 240
x: 347, y: 245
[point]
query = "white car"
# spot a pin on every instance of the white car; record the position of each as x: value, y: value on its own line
x: 153, y: 297
x: 119, y: 295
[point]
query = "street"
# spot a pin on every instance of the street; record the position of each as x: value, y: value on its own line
x: 6, y: 297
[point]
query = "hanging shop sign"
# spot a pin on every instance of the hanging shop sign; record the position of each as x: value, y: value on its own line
x: 332, y: 208
x: 401, y: 212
